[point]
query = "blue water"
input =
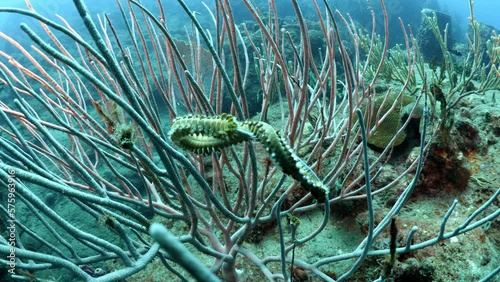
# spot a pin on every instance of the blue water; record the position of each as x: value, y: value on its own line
x: 486, y: 11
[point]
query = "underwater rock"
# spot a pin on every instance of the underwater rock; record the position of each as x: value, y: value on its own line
x: 413, y: 270
x: 427, y: 41
x: 485, y: 33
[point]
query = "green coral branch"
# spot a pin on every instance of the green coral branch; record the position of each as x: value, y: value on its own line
x: 396, y: 65
x: 206, y: 134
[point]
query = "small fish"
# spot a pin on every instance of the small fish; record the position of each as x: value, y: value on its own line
x: 455, y: 52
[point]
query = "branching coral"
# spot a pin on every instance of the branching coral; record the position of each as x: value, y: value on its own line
x: 493, y: 51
